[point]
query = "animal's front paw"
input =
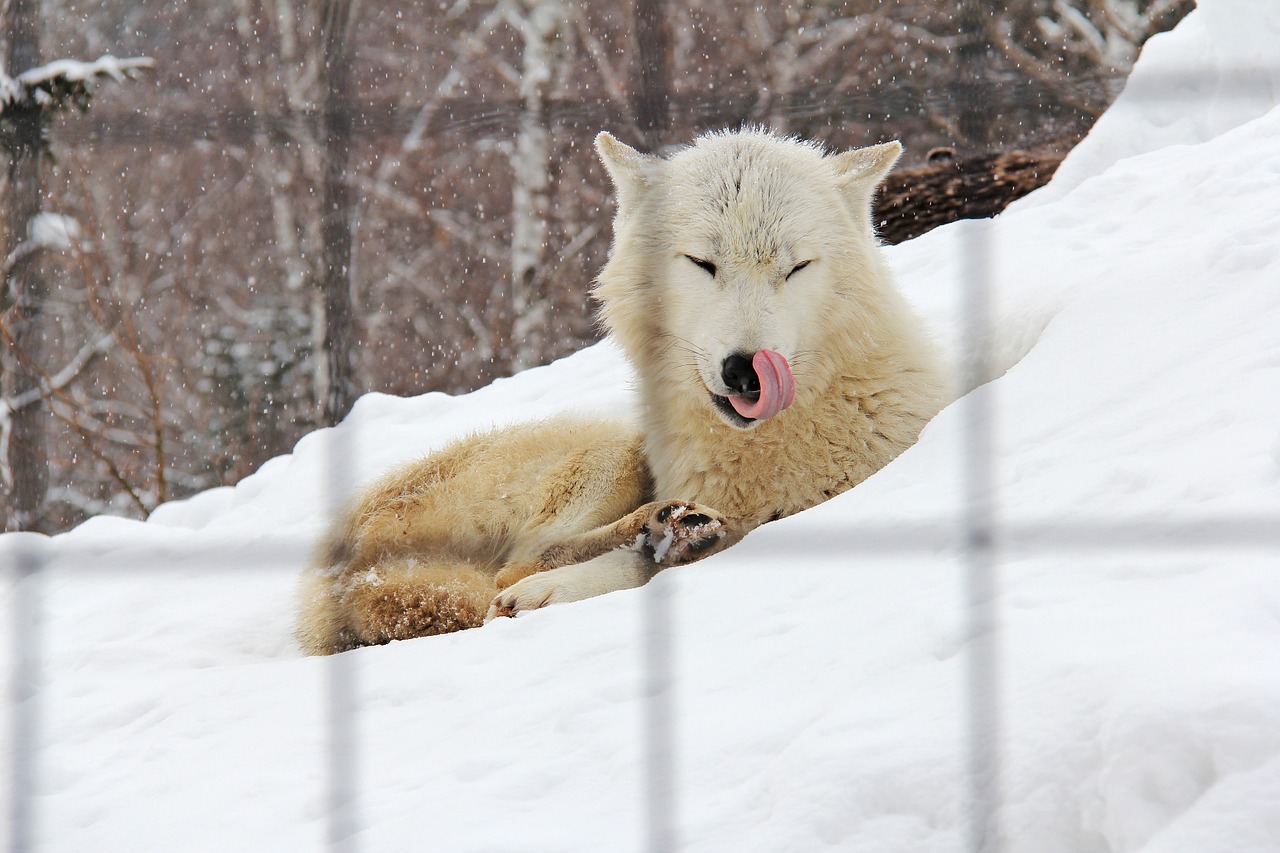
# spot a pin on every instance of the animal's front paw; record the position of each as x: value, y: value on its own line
x: 681, y: 532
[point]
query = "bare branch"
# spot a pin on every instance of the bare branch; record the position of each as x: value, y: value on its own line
x: 50, y: 385
x: 1039, y: 71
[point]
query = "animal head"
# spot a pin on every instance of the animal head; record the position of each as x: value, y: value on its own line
x: 738, y: 259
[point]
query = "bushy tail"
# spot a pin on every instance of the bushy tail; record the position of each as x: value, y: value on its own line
x: 390, y: 601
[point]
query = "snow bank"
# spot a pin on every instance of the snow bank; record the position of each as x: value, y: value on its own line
x: 816, y: 691
x: 1217, y: 72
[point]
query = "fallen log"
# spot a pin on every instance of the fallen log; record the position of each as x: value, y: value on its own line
x: 948, y: 187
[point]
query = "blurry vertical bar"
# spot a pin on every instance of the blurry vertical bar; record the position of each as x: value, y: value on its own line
x: 983, y: 660
x: 659, y: 721
x: 341, y: 770
x: 340, y: 794
x: 337, y: 25
x: 977, y: 124
x: 24, y: 696
x: 651, y: 109
x: 22, y: 286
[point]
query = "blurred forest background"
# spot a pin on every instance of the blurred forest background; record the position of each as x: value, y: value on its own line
x: 299, y: 201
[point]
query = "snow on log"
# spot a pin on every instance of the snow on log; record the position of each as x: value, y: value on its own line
x: 64, y: 82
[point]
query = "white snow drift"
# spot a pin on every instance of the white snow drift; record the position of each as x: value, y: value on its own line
x: 1135, y: 494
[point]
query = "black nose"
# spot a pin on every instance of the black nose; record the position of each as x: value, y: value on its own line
x: 740, y: 376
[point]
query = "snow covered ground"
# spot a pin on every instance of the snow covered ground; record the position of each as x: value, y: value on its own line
x: 810, y: 688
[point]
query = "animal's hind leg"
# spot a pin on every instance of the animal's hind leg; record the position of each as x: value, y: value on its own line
x: 407, y: 599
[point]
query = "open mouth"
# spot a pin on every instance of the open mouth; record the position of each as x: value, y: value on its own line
x: 730, y: 414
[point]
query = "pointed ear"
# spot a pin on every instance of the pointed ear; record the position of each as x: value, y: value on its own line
x: 628, y: 167
x: 867, y: 166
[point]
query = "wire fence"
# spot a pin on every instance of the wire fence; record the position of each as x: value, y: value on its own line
x: 984, y: 538
x: 981, y: 581
x: 981, y: 538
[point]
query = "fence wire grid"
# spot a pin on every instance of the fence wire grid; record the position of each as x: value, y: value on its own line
x: 984, y: 539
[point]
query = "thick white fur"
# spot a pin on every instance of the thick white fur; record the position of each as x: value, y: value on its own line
x: 797, y: 271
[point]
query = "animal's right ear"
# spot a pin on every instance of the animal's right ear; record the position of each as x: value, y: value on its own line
x: 629, y: 168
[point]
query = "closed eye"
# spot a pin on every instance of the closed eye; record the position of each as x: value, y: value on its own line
x: 798, y: 267
x: 709, y: 267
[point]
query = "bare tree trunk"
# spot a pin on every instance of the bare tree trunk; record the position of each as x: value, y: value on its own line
x: 540, y: 25
x: 335, y: 284
x: 652, y: 69
x: 977, y: 116
x: 26, y: 451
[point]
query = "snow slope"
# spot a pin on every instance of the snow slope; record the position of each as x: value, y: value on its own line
x: 808, y: 689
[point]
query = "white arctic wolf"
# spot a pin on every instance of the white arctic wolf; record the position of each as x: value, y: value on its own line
x: 777, y: 367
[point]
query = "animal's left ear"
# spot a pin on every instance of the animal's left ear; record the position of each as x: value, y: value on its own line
x: 860, y: 171
x: 629, y: 168
x: 866, y: 167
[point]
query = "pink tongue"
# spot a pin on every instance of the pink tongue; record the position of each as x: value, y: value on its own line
x: 777, y: 387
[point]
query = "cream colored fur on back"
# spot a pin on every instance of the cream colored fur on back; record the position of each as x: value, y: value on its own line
x: 560, y: 511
